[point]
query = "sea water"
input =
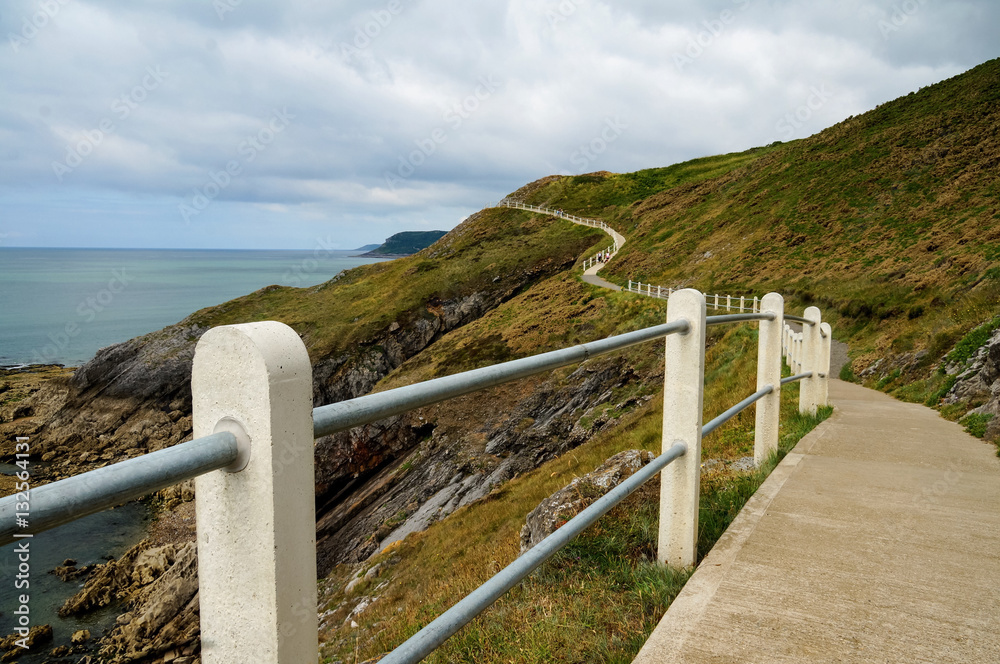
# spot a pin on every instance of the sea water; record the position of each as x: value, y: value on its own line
x: 89, y: 540
x: 59, y: 306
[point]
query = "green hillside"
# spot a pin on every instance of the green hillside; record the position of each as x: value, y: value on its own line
x: 889, y: 221
x: 407, y: 243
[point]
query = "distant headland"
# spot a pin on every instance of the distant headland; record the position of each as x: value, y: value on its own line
x: 406, y: 243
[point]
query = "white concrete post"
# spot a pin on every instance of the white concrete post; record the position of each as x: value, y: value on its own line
x: 630, y: 284
x: 797, y: 352
x: 812, y: 347
x: 257, y: 526
x: 765, y: 437
x: 716, y: 300
x: 823, y: 394
x: 756, y: 305
x: 729, y: 302
x: 742, y: 303
x: 683, y: 388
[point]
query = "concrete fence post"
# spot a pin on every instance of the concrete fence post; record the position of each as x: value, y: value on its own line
x: 812, y: 346
x: 801, y: 356
x: 257, y: 525
x: 742, y: 304
x: 683, y: 393
x: 765, y: 437
x: 797, y: 351
x: 823, y: 393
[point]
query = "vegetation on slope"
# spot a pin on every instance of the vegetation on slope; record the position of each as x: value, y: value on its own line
x: 598, y: 599
x: 889, y: 221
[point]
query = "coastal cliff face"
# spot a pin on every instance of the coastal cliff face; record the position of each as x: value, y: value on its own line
x: 134, y: 398
x: 451, y: 455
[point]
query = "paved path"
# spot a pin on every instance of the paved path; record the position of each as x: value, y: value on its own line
x: 590, y: 276
x: 877, y: 539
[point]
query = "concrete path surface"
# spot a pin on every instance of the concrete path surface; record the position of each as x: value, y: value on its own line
x: 877, y: 539
x: 590, y: 276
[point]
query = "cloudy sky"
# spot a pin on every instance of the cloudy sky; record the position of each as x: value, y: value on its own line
x: 246, y: 124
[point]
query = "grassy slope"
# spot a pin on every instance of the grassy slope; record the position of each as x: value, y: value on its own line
x: 599, y: 598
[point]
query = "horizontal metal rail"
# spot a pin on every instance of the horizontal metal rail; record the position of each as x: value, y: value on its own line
x: 345, y: 415
x: 738, y: 318
x: 792, y: 379
x: 465, y: 610
x: 372, y: 407
x: 799, y: 319
x: 430, y: 637
x: 60, y: 502
x: 736, y: 410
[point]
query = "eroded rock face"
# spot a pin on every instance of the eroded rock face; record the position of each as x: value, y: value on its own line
x: 978, y: 381
x: 374, y: 484
x: 160, y: 585
x: 470, y: 446
x: 36, y: 639
x: 576, y: 496
x: 135, y: 397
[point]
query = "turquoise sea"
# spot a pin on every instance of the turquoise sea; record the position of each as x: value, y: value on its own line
x: 59, y: 306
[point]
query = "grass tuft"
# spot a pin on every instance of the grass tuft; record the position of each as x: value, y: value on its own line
x: 976, y: 423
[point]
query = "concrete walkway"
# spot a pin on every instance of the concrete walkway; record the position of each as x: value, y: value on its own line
x: 590, y: 276
x: 876, y: 540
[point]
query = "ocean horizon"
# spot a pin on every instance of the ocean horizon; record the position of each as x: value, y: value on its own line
x: 61, y: 305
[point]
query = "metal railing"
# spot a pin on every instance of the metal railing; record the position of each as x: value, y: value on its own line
x: 253, y: 463
x: 618, y: 238
x: 721, y: 302
x: 600, y: 258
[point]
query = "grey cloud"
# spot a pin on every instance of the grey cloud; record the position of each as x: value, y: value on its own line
x: 396, y: 87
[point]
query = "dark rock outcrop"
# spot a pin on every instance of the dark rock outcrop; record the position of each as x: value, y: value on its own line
x: 460, y: 452
x: 579, y: 494
x: 36, y: 639
x: 160, y: 585
x: 978, y: 383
